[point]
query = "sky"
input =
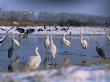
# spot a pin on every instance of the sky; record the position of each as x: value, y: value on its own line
x: 90, y: 7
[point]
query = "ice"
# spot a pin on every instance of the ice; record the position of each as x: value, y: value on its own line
x: 68, y: 74
x: 73, y: 30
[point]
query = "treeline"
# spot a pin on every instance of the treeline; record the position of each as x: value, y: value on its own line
x: 71, y: 19
x: 46, y: 18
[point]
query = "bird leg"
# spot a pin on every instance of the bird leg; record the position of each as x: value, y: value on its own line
x: 54, y: 62
x: 46, y: 58
x: 51, y: 59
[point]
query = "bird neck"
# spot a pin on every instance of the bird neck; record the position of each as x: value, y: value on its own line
x: 37, y: 54
x: 81, y: 38
x: 51, y: 40
x: 97, y: 46
x: 64, y: 36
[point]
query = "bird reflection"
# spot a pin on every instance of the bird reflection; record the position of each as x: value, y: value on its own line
x: 10, y: 68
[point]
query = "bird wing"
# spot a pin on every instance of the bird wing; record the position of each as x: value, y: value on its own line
x: 53, y: 50
x: 16, y: 43
x: 47, y: 43
x: 2, y: 39
x: 21, y: 30
x: 66, y: 42
x: 33, y: 62
x: 10, y: 52
x: 101, y: 52
x: 30, y: 30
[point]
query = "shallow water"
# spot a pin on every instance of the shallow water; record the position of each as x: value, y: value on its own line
x: 72, y: 52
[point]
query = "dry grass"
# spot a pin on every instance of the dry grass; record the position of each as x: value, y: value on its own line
x: 20, y: 22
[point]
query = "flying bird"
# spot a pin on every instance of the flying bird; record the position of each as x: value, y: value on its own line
x: 25, y: 32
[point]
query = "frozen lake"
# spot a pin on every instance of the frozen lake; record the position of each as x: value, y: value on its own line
x: 74, y: 52
x: 95, y: 71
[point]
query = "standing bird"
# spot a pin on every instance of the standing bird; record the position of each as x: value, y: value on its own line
x: 53, y: 49
x: 47, y: 42
x: 10, y: 50
x: 66, y: 42
x: 84, y: 43
x: 100, y: 51
x: 34, y: 61
x: 47, y: 46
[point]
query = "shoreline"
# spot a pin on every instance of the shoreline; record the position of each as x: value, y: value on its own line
x: 73, y: 30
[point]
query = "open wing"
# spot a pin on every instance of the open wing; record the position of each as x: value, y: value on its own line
x: 30, y: 30
x: 21, y: 30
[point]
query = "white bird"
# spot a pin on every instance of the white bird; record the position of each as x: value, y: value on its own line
x: 84, y: 43
x: 53, y: 49
x: 16, y: 42
x: 66, y: 42
x: 34, y: 61
x: 47, y: 45
x: 15, y: 23
x: 108, y: 37
x: 47, y: 42
x: 2, y: 38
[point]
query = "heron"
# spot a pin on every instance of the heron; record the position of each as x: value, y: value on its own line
x: 100, y: 51
x: 34, y: 61
x: 53, y: 49
x: 84, y: 43
x: 47, y: 46
x: 11, y: 49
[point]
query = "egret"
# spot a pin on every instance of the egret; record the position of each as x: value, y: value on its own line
x: 34, y: 61
x: 100, y: 51
x: 47, y: 45
x: 66, y: 42
x: 53, y: 49
x: 84, y: 43
x: 47, y: 42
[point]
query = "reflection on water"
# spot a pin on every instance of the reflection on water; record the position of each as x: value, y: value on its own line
x: 73, y: 54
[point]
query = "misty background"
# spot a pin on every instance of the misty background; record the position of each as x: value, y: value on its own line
x: 90, y: 7
x: 55, y: 12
